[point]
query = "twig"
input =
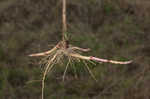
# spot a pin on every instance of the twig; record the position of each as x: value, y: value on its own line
x: 44, y: 53
x: 109, y: 61
x: 99, y: 59
x: 80, y: 49
x: 48, y: 68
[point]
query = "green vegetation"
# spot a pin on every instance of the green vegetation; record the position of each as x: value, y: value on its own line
x: 116, y: 29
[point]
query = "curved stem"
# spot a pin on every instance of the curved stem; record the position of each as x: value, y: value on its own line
x: 44, y: 53
x: 48, y: 68
x: 80, y: 49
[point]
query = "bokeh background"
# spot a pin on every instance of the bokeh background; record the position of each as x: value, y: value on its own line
x: 113, y: 29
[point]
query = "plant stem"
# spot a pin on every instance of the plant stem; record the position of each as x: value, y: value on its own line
x: 64, y: 23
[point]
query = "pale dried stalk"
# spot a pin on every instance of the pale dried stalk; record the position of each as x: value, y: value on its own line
x: 48, y: 68
x: 64, y: 19
x: 99, y: 59
x: 44, y: 53
x: 109, y: 61
x: 80, y: 49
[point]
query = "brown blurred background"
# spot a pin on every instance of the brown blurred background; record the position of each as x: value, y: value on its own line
x: 113, y: 29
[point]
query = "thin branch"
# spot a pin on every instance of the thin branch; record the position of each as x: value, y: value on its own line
x: 48, y: 68
x: 80, y: 49
x: 109, y: 61
x: 79, y: 56
x: 44, y: 53
x: 99, y: 59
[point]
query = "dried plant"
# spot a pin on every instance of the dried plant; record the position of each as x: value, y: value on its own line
x: 64, y: 49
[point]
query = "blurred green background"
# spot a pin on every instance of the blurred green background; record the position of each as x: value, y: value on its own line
x: 113, y: 29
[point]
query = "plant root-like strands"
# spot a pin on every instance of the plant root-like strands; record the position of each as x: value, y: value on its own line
x: 71, y: 63
x: 56, y: 54
x: 66, y: 70
x: 89, y: 70
x: 48, y: 68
